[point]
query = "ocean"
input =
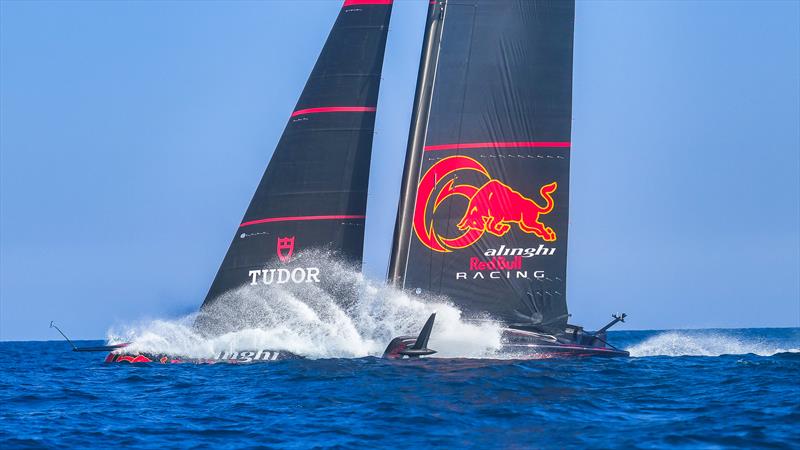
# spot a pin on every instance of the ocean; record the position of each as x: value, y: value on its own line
x: 680, y: 389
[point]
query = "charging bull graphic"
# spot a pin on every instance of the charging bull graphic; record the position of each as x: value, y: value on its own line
x: 493, y: 206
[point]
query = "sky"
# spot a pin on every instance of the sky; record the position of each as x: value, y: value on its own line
x: 133, y: 134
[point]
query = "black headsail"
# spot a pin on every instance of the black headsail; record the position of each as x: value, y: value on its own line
x: 314, y: 191
x: 484, y: 203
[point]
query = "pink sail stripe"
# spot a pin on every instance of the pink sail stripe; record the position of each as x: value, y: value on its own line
x: 430, y: 148
x: 291, y: 218
x: 366, y: 2
x: 330, y: 109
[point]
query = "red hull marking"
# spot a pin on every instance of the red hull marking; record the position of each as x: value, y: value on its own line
x: 292, y: 218
x: 366, y: 2
x: 131, y: 359
x: 431, y: 148
x: 331, y: 109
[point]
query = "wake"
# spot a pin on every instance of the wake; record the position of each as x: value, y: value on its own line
x: 705, y: 343
x: 344, y: 316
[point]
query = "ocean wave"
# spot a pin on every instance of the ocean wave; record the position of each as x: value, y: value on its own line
x: 704, y: 343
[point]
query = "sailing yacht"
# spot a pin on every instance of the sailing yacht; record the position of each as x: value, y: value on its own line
x: 484, y: 201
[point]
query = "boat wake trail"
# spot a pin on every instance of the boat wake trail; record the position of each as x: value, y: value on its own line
x: 343, y: 316
x: 706, y: 343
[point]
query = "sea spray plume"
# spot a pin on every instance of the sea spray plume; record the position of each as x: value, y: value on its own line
x: 703, y: 343
x: 345, y: 315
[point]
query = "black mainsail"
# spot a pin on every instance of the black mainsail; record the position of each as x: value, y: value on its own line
x: 484, y: 204
x: 314, y: 191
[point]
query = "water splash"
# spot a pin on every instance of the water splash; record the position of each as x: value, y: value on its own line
x: 346, y: 315
x: 704, y: 343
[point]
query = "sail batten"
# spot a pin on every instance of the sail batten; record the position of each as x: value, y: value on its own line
x: 313, y: 194
x: 486, y: 186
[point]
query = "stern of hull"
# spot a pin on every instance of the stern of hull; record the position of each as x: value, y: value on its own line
x: 535, y: 345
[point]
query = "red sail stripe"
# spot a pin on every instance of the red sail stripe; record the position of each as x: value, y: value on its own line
x: 366, y: 2
x: 429, y: 148
x: 290, y: 218
x: 329, y: 109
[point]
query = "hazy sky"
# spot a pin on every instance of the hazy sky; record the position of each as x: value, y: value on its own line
x: 133, y: 134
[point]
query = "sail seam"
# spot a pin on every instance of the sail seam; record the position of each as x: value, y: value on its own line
x: 299, y: 130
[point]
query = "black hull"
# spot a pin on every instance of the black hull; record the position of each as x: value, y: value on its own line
x: 243, y: 357
x: 516, y: 344
x: 522, y: 352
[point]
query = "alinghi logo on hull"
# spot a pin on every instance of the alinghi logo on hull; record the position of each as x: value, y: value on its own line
x: 248, y: 356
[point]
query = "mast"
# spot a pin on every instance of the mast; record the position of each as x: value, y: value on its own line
x: 416, y: 141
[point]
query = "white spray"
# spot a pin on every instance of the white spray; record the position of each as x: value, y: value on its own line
x: 703, y: 343
x: 346, y: 315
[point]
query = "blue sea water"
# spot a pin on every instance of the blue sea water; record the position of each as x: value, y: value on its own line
x: 682, y: 389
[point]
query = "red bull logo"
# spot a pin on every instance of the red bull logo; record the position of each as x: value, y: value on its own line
x: 493, y: 206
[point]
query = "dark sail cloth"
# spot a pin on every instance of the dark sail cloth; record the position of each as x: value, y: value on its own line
x: 488, y: 190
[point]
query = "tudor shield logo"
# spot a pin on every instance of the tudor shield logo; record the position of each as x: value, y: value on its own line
x: 493, y: 206
x: 297, y: 275
x: 285, y: 248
